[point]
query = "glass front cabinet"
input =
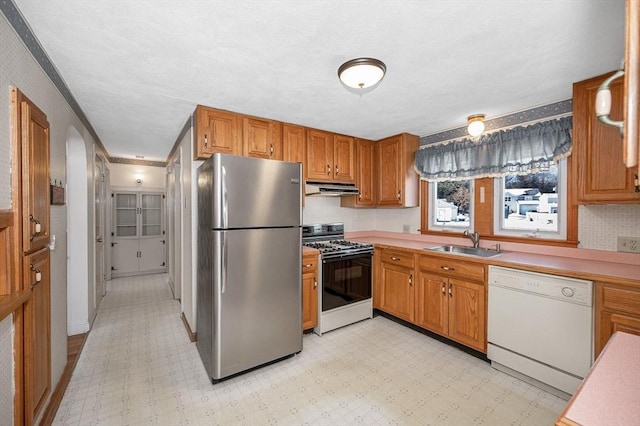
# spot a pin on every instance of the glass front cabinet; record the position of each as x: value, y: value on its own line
x: 138, y: 233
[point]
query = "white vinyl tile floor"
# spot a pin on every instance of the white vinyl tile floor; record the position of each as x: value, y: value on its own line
x: 139, y: 368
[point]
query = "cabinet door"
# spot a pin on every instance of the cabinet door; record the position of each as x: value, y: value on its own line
x: 617, y: 308
x: 261, y: 138
x: 126, y: 215
x: 309, y: 292
x: 151, y: 215
x: 389, y: 192
x: 467, y: 313
x: 365, y: 172
x: 397, y: 296
x: 35, y: 177
x: 217, y: 131
x: 432, y: 302
x: 344, y: 158
x: 319, y: 155
x: 293, y: 144
x: 37, y: 352
x: 365, y: 175
x: 600, y: 175
x: 151, y: 254
x: 125, y: 256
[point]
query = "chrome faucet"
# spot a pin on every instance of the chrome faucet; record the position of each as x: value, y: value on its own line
x: 475, y: 238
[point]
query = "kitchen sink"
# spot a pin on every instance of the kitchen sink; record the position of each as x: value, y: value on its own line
x: 469, y: 251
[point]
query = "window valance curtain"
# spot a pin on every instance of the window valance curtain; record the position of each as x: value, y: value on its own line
x: 517, y: 150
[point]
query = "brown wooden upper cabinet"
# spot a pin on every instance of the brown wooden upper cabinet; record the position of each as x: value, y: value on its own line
x: 599, y: 174
x: 365, y: 176
x: 262, y: 138
x: 330, y: 157
x: 217, y: 131
x: 397, y: 181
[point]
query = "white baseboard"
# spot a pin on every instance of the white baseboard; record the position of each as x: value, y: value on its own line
x: 77, y: 328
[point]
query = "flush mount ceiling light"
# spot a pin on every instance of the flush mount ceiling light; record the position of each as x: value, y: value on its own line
x: 362, y: 73
x: 475, y: 124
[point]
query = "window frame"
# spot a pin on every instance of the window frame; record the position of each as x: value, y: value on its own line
x: 560, y: 234
x: 483, y: 221
x: 431, y: 226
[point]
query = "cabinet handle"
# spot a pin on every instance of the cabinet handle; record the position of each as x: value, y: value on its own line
x: 315, y: 284
x: 411, y: 280
x: 270, y: 149
x: 328, y: 169
x: 450, y: 290
x: 308, y: 265
x: 395, y: 258
x: 206, y: 141
x: 337, y: 170
x: 360, y: 196
x: 37, y: 228
x: 446, y: 268
x: 444, y: 288
x: 38, y: 275
x: 398, y: 194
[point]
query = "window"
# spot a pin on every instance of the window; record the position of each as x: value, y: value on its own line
x: 451, y: 205
x: 532, y: 205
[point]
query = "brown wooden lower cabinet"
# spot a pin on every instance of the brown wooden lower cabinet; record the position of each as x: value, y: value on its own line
x: 37, y: 338
x: 447, y: 297
x: 309, y: 291
x: 617, y: 309
x: 396, y: 276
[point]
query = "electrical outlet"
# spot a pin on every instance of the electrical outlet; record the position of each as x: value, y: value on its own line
x: 629, y: 244
x: 406, y: 229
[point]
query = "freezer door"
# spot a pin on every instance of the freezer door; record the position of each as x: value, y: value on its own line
x: 255, y: 193
x: 257, y: 309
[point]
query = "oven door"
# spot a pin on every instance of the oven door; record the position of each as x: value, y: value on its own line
x: 345, y: 280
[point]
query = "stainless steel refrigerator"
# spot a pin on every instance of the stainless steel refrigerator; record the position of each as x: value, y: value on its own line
x: 249, y: 308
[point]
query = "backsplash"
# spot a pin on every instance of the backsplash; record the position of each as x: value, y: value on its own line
x: 600, y: 226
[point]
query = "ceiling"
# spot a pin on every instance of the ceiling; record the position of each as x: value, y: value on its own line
x: 138, y: 68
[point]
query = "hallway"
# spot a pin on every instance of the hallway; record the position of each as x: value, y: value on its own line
x: 138, y: 367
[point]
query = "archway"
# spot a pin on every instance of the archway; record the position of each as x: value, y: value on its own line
x: 77, y: 235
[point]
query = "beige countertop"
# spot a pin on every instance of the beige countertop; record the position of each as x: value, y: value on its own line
x: 578, y: 263
x: 610, y: 394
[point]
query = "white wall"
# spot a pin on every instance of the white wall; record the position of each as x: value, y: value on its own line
x: 125, y: 175
x: 18, y: 68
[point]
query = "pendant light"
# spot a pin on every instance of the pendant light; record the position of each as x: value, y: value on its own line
x: 362, y: 73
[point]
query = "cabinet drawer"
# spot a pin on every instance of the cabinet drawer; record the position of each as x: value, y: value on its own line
x: 619, y: 299
x: 399, y: 258
x: 309, y: 262
x: 452, y: 268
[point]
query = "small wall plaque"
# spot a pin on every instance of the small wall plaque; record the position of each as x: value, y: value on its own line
x: 57, y: 195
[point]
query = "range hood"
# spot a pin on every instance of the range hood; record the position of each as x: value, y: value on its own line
x: 330, y: 189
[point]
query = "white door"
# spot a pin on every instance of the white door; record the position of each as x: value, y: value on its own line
x: 152, y: 240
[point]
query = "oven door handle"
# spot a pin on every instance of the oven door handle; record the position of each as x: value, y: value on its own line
x: 347, y: 257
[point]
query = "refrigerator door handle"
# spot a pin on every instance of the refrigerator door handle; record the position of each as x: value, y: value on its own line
x: 224, y: 262
x: 225, y: 199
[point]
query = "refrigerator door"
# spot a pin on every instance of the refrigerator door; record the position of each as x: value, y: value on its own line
x: 255, y: 193
x: 256, y: 298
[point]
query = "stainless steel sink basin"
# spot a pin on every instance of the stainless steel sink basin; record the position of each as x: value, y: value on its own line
x: 469, y: 251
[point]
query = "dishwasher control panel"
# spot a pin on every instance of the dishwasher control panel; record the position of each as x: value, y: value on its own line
x: 553, y: 286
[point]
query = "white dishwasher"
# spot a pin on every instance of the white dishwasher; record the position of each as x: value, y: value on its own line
x: 540, y: 327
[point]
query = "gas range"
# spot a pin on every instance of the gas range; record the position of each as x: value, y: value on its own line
x: 329, y: 240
